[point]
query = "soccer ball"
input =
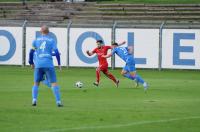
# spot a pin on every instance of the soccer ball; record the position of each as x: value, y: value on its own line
x: 79, y: 84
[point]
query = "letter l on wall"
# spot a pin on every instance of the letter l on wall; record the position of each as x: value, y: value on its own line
x: 131, y: 43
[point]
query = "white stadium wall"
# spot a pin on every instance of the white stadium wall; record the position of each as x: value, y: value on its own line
x: 11, y: 45
x: 180, y: 47
x: 145, y: 43
x: 59, y: 34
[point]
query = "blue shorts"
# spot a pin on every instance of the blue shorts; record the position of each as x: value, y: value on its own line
x: 130, y: 65
x: 49, y: 73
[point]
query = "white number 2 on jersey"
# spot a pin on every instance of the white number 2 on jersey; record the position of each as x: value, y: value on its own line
x: 124, y: 50
x: 43, y: 46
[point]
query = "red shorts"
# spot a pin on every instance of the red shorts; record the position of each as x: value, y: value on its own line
x: 103, y: 67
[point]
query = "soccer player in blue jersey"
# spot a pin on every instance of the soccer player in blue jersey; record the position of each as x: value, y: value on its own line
x: 129, y: 70
x: 40, y: 58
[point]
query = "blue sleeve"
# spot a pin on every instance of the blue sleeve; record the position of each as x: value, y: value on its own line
x: 31, y: 53
x: 113, y: 51
x: 54, y: 45
x: 57, y: 54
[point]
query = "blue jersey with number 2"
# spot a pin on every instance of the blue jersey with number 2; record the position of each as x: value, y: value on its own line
x: 122, y: 52
x: 44, y: 46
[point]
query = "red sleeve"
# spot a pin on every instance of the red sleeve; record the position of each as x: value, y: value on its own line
x: 94, y: 50
x: 108, y: 47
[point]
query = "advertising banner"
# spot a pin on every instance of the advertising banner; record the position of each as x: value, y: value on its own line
x: 145, y: 44
x: 11, y: 45
x: 181, y: 49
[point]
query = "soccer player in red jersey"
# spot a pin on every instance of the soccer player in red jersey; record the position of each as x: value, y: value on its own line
x: 103, y: 64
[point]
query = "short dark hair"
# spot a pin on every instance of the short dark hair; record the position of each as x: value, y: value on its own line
x: 99, y: 41
x: 115, y: 44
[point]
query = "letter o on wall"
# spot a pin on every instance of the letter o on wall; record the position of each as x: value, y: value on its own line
x: 79, y: 44
x: 12, y: 43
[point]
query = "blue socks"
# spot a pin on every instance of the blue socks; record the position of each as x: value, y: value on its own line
x: 55, y: 89
x: 56, y: 92
x: 137, y: 78
x: 34, y: 92
x: 127, y: 75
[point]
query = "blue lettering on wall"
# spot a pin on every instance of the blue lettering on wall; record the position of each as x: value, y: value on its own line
x: 177, y: 49
x: 131, y: 43
x: 79, y: 44
x: 12, y: 44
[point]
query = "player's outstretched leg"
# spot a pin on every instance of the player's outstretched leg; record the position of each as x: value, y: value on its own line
x: 132, y: 77
x: 129, y: 72
x: 146, y: 86
x: 117, y: 83
x: 34, y: 95
x: 128, y: 75
x: 141, y: 81
x: 110, y: 76
x: 97, y: 77
x: 138, y: 80
x: 56, y: 92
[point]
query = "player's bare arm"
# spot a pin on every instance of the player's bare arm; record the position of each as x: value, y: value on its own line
x: 122, y: 43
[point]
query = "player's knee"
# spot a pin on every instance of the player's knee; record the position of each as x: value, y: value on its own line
x: 54, y: 84
x: 36, y: 83
x: 133, y: 74
x: 123, y: 73
x: 105, y: 71
x: 97, y: 69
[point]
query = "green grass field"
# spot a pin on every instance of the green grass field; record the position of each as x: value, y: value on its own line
x: 172, y: 103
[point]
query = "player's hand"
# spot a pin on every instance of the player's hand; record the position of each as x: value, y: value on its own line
x: 60, y: 68
x: 123, y: 42
x: 88, y: 52
x: 32, y: 66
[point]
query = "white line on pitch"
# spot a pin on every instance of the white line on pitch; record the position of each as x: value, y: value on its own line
x: 120, y: 125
